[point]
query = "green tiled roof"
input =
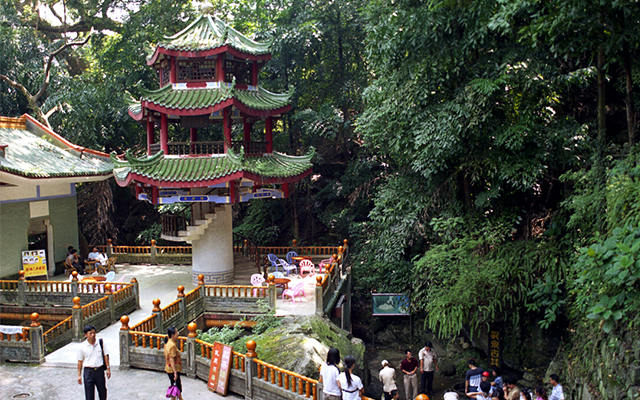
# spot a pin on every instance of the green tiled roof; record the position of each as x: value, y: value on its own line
x: 196, y: 98
x: 32, y: 156
x: 192, y: 169
x: 207, y: 33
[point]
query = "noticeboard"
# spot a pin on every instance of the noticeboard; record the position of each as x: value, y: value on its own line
x: 34, y: 263
x: 390, y: 304
x: 220, y: 368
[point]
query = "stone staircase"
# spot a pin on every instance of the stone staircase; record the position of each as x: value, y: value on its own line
x: 193, y: 232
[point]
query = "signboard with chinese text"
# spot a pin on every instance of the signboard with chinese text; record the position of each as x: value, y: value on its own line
x: 220, y: 368
x: 390, y: 304
x: 495, y: 346
x: 34, y: 263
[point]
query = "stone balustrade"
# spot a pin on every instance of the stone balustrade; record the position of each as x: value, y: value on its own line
x: 104, y: 303
x: 27, y: 346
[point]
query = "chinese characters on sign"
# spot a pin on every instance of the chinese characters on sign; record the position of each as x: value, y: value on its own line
x: 495, y: 348
x: 220, y: 368
x: 34, y: 263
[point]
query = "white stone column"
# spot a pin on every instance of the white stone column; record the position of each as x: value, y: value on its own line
x: 213, y: 251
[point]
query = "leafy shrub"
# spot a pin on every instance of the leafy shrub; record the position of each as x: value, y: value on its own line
x: 226, y: 334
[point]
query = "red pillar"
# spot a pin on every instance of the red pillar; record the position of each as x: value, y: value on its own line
x: 155, y: 194
x: 226, y: 127
x: 151, y: 135
x: 254, y: 73
x: 164, y: 134
x: 193, y: 134
x: 269, y: 134
x: 174, y: 70
x: 220, y: 68
x: 285, y: 189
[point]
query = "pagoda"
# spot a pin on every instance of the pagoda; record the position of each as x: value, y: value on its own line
x: 208, y: 74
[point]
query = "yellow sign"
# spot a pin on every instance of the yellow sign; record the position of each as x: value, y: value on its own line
x: 34, y: 263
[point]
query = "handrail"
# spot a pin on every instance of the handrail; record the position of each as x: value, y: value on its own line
x: 146, y: 325
x: 20, y: 337
x: 8, y: 285
x: 58, y: 329
x: 192, y: 296
x: 170, y: 310
x: 94, y: 307
x: 292, y: 381
x: 250, y: 249
x: 236, y: 291
x: 155, y: 340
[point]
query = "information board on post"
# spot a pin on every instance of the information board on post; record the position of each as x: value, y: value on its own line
x: 34, y: 263
x: 220, y: 368
x: 390, y: 304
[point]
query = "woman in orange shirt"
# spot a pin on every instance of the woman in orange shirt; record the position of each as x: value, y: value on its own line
x: 173, y: 364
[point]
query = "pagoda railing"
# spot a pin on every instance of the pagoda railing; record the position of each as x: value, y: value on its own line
x: 172, y: 224
x: 203, y: 148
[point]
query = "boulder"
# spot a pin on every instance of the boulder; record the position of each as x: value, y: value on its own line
x: 301, y: 344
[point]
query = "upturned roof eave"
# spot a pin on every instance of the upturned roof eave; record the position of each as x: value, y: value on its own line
x: 262, y: 180
x: 205, y: 53
x: 208, y: 110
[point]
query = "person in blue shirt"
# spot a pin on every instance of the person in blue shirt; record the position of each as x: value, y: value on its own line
x: 497, y: 382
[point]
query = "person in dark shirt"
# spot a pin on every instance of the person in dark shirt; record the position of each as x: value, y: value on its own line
x: 473, y: 377
x: 409, y: 368
x: 72, y: 259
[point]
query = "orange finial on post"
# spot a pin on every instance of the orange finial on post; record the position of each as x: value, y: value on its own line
x: 35, y: 317
x: 335, y: 258
x: 200, y: 279
x: 74, y: 275
x: 340, y: 250
x: 192, y: 330
x: 21, y: 275
x: 295, y: 243
x: 134, y: 280
x: 109, y: 242
x: 319, y: 280
x: 124, y: 320
x: 272, y: 279
x: 251, y: 348
x: 153, y: 242
x: 180, y: 291
x: 107, y: 288
x: 345, y: 243
x: 76, y: 302
x: 156, y: 305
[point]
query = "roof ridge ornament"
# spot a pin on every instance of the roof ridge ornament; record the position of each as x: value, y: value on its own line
x: 206, y: 8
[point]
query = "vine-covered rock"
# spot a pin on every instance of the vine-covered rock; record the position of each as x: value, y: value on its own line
x: 301, y: 344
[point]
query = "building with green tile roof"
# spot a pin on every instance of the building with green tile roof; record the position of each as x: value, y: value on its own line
x: 207, y: 75
x: 39, y: 171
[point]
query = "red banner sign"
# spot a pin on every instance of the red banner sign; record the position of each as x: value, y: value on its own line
x: 220, y: 368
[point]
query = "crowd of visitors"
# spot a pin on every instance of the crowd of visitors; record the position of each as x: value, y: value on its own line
x: 479, y: 384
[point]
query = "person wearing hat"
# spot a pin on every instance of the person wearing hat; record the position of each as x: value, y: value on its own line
x: 485, y: 378
x: 428, y: 366
x: 387, y: 376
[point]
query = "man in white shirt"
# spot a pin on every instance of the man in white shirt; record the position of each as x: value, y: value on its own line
x: 428, y: 366
x: 99, y: 258
x: 387, y: 376
x: 93, y: 360
x: 557, y: 392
